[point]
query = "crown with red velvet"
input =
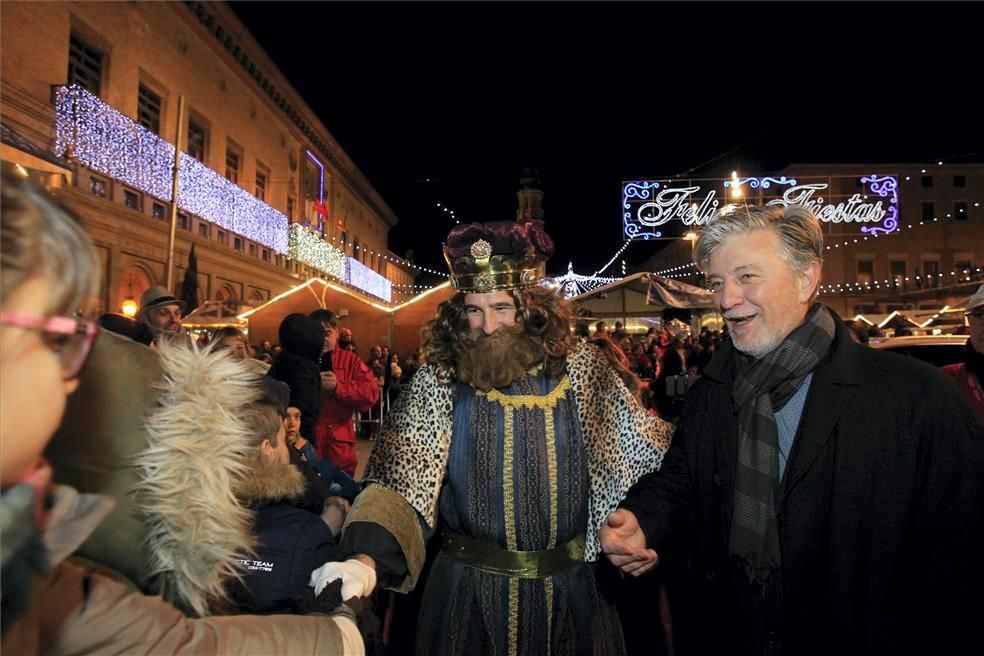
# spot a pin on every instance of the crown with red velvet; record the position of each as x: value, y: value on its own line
x: 497, y: 256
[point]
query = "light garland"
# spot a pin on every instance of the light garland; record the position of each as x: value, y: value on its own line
x: 359, y: 275
x: 682, y: 267
x: 864, y: 287
x: 410, y: 286
x: 614, y: 257
x: 108, y: 142
x: 575, y: 285
x: 205, y: 193
x: 448, y: 210
x: 755, y: 183
x: 307, y: 247
x: 891, y: 283
x: 388, y: 258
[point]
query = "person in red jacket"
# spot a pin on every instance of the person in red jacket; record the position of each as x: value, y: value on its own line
x: 347, y: 386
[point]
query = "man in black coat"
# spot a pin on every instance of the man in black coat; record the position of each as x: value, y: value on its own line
x: 819, y: 497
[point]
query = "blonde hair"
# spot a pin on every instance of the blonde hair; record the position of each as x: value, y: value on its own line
x: 228, y: 331
x: 40, y: 237
x: 265, y: 420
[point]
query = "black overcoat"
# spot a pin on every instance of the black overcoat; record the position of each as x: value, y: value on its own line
x: 879, y: 514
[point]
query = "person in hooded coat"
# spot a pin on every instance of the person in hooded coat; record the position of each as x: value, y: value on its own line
x: 301, y: 339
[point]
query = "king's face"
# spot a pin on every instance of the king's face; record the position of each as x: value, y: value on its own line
x: 491, y: 310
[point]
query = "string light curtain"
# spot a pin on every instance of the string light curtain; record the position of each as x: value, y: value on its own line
x: 108, y: 142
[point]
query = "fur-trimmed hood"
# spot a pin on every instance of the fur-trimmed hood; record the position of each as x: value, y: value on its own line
x: 270, y: 482
x: 197, y: 451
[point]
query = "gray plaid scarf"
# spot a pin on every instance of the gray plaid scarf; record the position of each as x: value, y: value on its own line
x: 761, y: 388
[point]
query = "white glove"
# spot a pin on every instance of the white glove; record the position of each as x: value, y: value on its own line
x: 358, y: 579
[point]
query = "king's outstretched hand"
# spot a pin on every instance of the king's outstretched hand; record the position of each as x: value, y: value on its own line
x: 358, y: 578
x: 624, y: 544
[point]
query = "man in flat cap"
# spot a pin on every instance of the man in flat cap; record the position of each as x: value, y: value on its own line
x: 513, y: 443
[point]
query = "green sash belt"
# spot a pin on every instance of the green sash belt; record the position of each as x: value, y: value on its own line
x: 517, y: 564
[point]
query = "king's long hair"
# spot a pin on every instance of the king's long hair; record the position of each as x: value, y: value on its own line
x: 546, y: 316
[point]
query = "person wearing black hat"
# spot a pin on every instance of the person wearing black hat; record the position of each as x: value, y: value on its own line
x: 161, y: 313
x: 297, y: 365
x: 515, y: 440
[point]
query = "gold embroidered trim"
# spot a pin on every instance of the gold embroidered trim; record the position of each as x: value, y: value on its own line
x: 548, y: 417
x: 546, y: 402
x: 513, y: 616
x: 548, y: 592
x: 508, y: 482
x: 508, y: 496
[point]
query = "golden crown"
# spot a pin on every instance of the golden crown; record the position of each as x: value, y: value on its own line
x: 482, y: 272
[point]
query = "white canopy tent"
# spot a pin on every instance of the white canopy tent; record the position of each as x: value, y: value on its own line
x: 639, y: 300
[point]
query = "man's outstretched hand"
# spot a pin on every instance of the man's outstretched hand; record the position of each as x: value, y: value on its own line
x: 624, y: 543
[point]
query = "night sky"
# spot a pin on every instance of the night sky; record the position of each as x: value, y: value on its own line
x: 467, y: 95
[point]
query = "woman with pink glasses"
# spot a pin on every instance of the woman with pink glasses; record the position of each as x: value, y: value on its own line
x: 48, y: 273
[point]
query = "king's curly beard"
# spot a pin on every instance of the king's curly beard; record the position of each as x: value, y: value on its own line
x: 498, y: 360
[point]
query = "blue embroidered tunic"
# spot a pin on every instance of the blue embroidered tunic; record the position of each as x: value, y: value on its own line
x: 516, y: 479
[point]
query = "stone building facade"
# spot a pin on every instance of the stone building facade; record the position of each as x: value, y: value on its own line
x: 244, y: 121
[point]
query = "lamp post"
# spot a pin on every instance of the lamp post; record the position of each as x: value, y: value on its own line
x: 735, y: 187
x: 174, y: 194
x: 691, y: 236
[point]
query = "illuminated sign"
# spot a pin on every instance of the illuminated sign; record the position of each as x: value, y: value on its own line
x: 653, y: 209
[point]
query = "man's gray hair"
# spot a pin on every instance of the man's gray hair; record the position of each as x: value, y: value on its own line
x: 796, y: 226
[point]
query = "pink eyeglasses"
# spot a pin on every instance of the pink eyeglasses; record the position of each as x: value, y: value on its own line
x: 70, y: 339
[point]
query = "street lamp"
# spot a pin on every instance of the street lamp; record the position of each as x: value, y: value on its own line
x: 129, y: 306
x: 692, y: 238
x: 735, y: 185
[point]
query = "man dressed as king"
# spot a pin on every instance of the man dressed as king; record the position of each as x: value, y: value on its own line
x: 511, y: 446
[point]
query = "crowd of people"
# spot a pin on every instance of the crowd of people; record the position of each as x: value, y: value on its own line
x: 659, y: 357
x: 809, y: 496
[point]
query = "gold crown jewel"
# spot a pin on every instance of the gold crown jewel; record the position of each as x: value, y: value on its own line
x: 481, y: 250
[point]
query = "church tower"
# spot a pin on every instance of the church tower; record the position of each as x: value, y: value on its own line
x: 530, y: 197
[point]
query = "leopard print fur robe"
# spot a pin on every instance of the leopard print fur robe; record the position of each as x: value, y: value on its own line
x: 623, y: 441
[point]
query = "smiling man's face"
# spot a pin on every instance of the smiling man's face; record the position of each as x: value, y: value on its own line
x: 760, y: 296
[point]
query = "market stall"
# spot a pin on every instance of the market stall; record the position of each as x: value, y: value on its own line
x: 646, y: 299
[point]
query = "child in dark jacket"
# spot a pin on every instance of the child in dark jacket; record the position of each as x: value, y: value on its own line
x: 339, y: 483
x: 291, y: 542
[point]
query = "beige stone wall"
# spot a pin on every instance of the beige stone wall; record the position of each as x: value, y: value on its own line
x: 166, y: 47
